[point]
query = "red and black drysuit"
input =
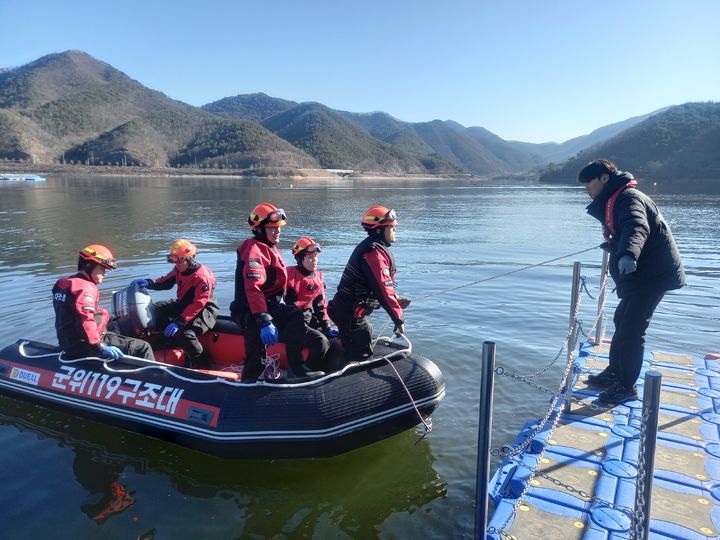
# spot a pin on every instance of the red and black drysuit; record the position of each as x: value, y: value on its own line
x: 306, y: 290
x: 634, y: 226
x: 80, y: 321
x: 260, y: 281
x: 367, y: 283
x: 194, y: 310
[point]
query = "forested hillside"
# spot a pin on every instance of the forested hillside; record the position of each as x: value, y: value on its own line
x: 71, y: 108
x: 682, y: 142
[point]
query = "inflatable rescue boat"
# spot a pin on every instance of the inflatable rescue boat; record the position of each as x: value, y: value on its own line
x: 212, y: 410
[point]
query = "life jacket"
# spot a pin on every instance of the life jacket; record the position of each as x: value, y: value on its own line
x: 79, y: 320
x: 353, y: 284
x: 195, y: 290
x: 260, y: 275
x: 368, y: 282
x: 609, y: 223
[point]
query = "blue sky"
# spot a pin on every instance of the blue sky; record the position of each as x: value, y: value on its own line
x: 526, y: 70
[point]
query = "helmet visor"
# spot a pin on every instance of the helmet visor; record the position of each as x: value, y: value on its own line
x: 275, y: 216
x: 390, y: 216
x: 107, y: 262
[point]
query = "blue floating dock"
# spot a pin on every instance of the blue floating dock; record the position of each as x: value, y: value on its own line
x: 577, y: 477
x: 22, y: 178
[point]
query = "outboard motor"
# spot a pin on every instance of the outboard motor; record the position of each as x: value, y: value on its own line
x: 133, y: 311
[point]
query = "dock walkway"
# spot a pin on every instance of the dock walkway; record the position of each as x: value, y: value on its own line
x: 577, y: 477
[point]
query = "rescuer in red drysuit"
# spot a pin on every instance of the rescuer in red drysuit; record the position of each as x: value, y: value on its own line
x: 367, y: 283
x: 195, y: 309
x: 259, y: 307
x: 80, y: 321
x: 306, y: 289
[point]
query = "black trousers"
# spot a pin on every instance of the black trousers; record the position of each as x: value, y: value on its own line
x: 132, y: 346
x: 316, y: 341
x: 187, y: 338
x: 355, y: 329
x: 292, y: 331
x: 632, y: 318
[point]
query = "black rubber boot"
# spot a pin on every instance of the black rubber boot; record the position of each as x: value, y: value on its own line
x: 299, y: 370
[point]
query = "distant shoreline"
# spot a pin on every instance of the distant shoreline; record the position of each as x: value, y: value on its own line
x: 265, y: 173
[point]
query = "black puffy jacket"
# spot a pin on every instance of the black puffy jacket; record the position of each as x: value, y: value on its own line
x: 642, y: 233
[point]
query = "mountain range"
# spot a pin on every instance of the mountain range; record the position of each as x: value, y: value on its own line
x: 681, y: 142
x: 71, y: 108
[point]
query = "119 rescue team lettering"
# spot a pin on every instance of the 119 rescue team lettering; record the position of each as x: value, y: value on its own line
x: 130, y: 391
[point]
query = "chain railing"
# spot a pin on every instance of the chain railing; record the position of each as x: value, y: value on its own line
x: 639, y: 515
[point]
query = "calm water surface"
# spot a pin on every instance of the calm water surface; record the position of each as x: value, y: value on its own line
x: 57, y: 468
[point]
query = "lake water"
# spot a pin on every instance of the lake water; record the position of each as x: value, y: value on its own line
x: 56, y: 468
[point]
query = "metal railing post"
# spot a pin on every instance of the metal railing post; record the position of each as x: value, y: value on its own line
x: 601, y: 299
x: 572, y: 331
x: 646, y: 455
x: 484, y: 436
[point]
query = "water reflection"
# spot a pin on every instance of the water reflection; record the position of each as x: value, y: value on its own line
x: 100, y: 475
x: 348, y: 496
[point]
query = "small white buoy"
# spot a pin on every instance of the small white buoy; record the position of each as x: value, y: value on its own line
x: 291, y: 186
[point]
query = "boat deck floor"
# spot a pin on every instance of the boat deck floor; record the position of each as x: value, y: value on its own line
x: 578, y: 480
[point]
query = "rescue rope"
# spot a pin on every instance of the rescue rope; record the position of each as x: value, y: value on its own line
x: 427, y: 424
x: 503, y: 274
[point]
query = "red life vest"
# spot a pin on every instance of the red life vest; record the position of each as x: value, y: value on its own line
x: 609, y: 225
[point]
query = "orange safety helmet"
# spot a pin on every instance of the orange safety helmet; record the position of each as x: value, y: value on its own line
x: 267, y: 215
x: 304, y: 245
x: 181, y: 249
x: 378, y: 216
x: 99, y: 254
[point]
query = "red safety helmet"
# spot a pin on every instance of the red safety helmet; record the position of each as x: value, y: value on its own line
x: 181, y: 249
x: 267, y: 215
x: 99, y: 254
x: 379, y: 216
x: 304, y: 245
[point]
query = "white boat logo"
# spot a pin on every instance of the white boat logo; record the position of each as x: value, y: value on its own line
x: 23, y: 375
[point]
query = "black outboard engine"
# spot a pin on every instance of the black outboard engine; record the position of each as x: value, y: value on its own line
x: 133, y: 312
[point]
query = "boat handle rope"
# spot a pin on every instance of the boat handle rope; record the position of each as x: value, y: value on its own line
x: 166, y: 367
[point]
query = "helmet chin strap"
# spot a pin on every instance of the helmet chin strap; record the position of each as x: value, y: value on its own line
x: 87, y: 269
x: 260, y: 233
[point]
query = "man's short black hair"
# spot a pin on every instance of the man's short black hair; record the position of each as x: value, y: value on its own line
x: 595, y: 169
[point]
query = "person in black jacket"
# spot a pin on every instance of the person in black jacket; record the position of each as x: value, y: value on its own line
x: 368, y: 283
x: 644, y: 263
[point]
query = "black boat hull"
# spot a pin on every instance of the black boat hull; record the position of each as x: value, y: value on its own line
x: 361, y: 404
